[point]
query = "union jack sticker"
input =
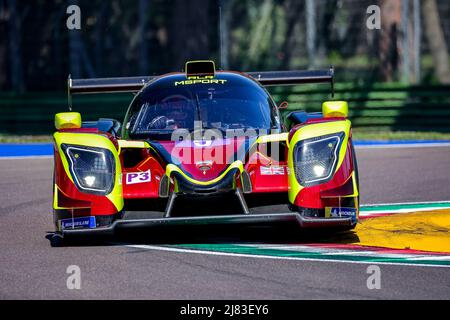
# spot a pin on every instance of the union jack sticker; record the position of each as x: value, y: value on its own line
x: 272, y: 171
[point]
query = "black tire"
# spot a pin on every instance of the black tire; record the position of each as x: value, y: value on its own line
x: 56, y: 240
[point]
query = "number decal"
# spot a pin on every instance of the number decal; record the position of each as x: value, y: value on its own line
x: 138, y: 177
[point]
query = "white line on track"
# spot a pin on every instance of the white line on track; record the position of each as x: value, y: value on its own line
x: 241, y: 255
x: 402, y: 146
x: 337, y: 251
x: 371, y: 213
x: 404, y: 203
x: 25, y: 157
x: 357, y: 146
x: 444, y: 258
x: 363, y: 213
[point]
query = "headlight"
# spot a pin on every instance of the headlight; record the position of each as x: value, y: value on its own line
x: 315, y: 159
x: 92, y: 169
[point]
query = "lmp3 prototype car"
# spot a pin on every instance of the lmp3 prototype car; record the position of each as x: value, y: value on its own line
x: 203, y: 147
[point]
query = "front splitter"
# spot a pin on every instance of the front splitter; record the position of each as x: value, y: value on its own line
x: 304, y: 222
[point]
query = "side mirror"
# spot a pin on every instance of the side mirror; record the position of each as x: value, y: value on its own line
x: 67, y: 120
x: 338, y: 109
x: 105, y: 125
x: 283, y: 106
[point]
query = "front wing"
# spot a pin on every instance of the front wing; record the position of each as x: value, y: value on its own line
x: 304, y: 222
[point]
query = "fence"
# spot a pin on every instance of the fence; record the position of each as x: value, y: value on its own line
x: 376, y: 106
x: 381, y: 106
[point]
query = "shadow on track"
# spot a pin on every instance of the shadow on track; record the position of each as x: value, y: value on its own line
x: 166, y: 235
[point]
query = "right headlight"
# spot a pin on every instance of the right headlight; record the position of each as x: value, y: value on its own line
x: 315, y: 159
x: 92, y: 169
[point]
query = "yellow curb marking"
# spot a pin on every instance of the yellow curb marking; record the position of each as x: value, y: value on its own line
x: 426, y: 231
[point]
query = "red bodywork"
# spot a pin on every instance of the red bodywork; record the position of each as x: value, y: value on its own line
x: 267, y: 175
x: 327, y: 194
x: 187, y: 156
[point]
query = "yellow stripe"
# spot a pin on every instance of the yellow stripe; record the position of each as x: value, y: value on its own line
x: 55, y: 197
x: 173, y: 168
x: 427, y: 231
x: 131, y: 144
x: 272, y: 138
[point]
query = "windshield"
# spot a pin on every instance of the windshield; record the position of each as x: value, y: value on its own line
x: 220, y: 107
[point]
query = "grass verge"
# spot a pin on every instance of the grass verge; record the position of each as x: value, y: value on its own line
x: 399, y: 135
x: 358, y: 134
x: 6, y: 138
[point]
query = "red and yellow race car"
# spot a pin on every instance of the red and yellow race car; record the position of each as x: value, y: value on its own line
x: 203, y: 146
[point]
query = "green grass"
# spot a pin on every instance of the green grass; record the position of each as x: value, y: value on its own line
x: 358, y: 134
x: 6, y: 138
x: 387, y: 135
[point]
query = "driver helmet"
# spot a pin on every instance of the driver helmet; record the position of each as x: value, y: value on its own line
x: 178, y: 108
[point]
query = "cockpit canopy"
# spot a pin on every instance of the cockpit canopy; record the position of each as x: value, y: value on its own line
x: 226, y: 102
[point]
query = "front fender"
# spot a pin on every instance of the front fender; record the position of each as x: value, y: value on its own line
x: 311, y: 197
x: 66, y: 194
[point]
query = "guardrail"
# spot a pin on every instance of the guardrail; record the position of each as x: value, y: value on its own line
x: 377, y: 106
x: 33, y: 113
x: 380, y: 106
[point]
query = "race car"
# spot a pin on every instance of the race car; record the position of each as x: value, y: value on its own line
x: 203, y: 146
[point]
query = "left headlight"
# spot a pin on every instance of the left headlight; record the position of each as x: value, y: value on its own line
x: 315, y: 159
x: 92, y: 169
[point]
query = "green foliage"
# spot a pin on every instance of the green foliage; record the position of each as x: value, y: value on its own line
x: 119, y: 39
x: 386, y: 106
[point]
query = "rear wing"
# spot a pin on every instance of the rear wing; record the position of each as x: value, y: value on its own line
x: 285, y: 78
x: 107, y: 85
x: 135, y: 84
x: 104, y: 85
x: 280, y: 78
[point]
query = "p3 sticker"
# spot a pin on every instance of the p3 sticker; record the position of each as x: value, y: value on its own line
x: 138, y: 177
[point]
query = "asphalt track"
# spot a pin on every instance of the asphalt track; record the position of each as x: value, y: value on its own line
x: 143, y: 268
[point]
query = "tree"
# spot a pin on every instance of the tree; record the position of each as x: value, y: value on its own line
x: 3, y: 46
x: 436, y: 40
x: 388, y: 40
x: 190, y: 31
x: 15, y: 48
x: 293, y: 9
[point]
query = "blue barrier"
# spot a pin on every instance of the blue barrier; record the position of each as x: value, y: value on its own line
x: 46, y: 149
x: 399, y: 142
x: 26, y: 149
